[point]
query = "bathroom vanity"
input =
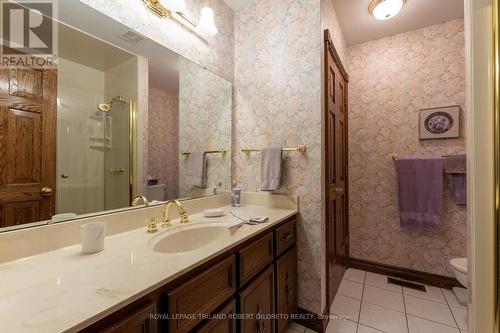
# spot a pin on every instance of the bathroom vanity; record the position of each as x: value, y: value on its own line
x: 245, y: 285
x: 203, y: 276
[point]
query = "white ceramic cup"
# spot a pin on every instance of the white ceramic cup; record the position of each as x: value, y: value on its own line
x: 93, y: 235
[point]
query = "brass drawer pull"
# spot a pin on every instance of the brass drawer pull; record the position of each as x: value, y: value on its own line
x: 261, y: 326
x: 287, y: 236
x: 46, y: 191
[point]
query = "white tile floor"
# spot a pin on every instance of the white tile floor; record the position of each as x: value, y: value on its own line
x: 374, y: 306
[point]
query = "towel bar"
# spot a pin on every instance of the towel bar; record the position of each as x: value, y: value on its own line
x: 221, y: 151
x: 395, y: 157
x: 300, y: 149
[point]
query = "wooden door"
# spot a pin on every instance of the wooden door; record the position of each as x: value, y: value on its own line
x: 337, y: 232
x: 27, y: 145
x: 257, y: 301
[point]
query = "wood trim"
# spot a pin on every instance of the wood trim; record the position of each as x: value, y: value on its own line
x: 312, y: 320
x: 405, y: 273
x: 336, y: 57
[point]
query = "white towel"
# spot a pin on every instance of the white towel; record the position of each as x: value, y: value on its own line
x: 270, y: 170
x: 197, y: 169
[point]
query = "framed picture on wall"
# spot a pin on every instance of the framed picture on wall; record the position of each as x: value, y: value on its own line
x: 440, y: 123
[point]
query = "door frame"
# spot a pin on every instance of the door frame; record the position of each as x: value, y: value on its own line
x: 329, y: 47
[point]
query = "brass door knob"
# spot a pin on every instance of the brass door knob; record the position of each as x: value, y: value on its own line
x: 339, y: 190
x: 46, y: 191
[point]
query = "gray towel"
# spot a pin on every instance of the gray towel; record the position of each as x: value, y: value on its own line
x: 270, y: 171
x: 197, y: 169
x: 420, y: 186
x: 456, y: 167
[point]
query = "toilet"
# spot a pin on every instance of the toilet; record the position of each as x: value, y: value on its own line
x: 459, y: 267
x: 156, y: 192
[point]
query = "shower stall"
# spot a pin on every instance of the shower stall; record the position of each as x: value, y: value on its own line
x: 95, y: 136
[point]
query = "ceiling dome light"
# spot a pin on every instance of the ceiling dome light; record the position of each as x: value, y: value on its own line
x: 385, y: 9
x: 206, y: 26
x: 176, y: 6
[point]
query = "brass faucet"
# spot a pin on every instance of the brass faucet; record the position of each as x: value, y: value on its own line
x: 142, y: 198
x: 180, y: 209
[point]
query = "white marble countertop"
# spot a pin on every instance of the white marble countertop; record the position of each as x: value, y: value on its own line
x: 65, y: 291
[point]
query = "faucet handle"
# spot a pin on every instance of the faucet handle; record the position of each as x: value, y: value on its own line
x: 166, y: 223
x: 184, y: 218
x: 152, y: 225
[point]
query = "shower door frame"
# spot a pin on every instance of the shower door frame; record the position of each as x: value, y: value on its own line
x: 132, y: 149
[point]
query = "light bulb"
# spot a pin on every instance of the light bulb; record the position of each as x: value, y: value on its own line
x: 206, y: 26
x: 386, y: 9
x: 176, y: 5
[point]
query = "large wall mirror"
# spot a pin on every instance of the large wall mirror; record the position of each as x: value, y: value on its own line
x: 121, y: 116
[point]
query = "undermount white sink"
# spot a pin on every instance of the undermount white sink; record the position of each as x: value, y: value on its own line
x: 189, y: 238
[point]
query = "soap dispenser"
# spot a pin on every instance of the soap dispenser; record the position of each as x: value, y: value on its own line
x: 235, y: 196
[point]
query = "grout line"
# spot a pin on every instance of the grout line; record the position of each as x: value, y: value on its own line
x: 406, y: 314
x: 437, y: 322
x: 449, y: 308
x: 376, y: 329
x: 361, y: 302
x: 429, y: 300
x: 385, y: 307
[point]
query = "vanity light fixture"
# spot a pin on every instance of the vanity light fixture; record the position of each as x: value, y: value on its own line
x: 385, y: 9
x: 206, y: 26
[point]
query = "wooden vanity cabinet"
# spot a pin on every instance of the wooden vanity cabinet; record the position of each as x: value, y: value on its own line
x: 138, y: 322
x: 286, y: 288
x: 242, y: 290
x: 201, y: 295
x: 135, y: 318
x: 223, y: 321
x: 256, y: 301
x: 254, y: 258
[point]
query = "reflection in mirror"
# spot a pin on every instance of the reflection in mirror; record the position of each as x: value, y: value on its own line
x: 121, y: 116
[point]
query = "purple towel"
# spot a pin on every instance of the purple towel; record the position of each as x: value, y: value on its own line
x: 420, y: 184
x: 456, y: 167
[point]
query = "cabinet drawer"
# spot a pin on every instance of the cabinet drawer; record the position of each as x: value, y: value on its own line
x: 257, y: 303
x: 224, y: 322
x: 139, y: 321
x: 286, y: 236
x: 201, y: 296
x: 254, y: 258
x: 286, y: 287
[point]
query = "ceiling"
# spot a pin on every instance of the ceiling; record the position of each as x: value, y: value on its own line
x: 359, y: 26
x: 102, y: 35
x: 86, y: 50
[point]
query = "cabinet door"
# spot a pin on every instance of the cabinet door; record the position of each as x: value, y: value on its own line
x: 138, y: 322
x: 222, y: 322
x: 286, y: 288
x: 257, y: 304
x: 201, y: 296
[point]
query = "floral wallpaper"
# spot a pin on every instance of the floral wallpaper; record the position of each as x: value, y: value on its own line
x: 215, y: 53
x: 205, y: 104
x: 330, y: 21
x: 391, y: 79
x: 278, y: 102
x: 163, y: 139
